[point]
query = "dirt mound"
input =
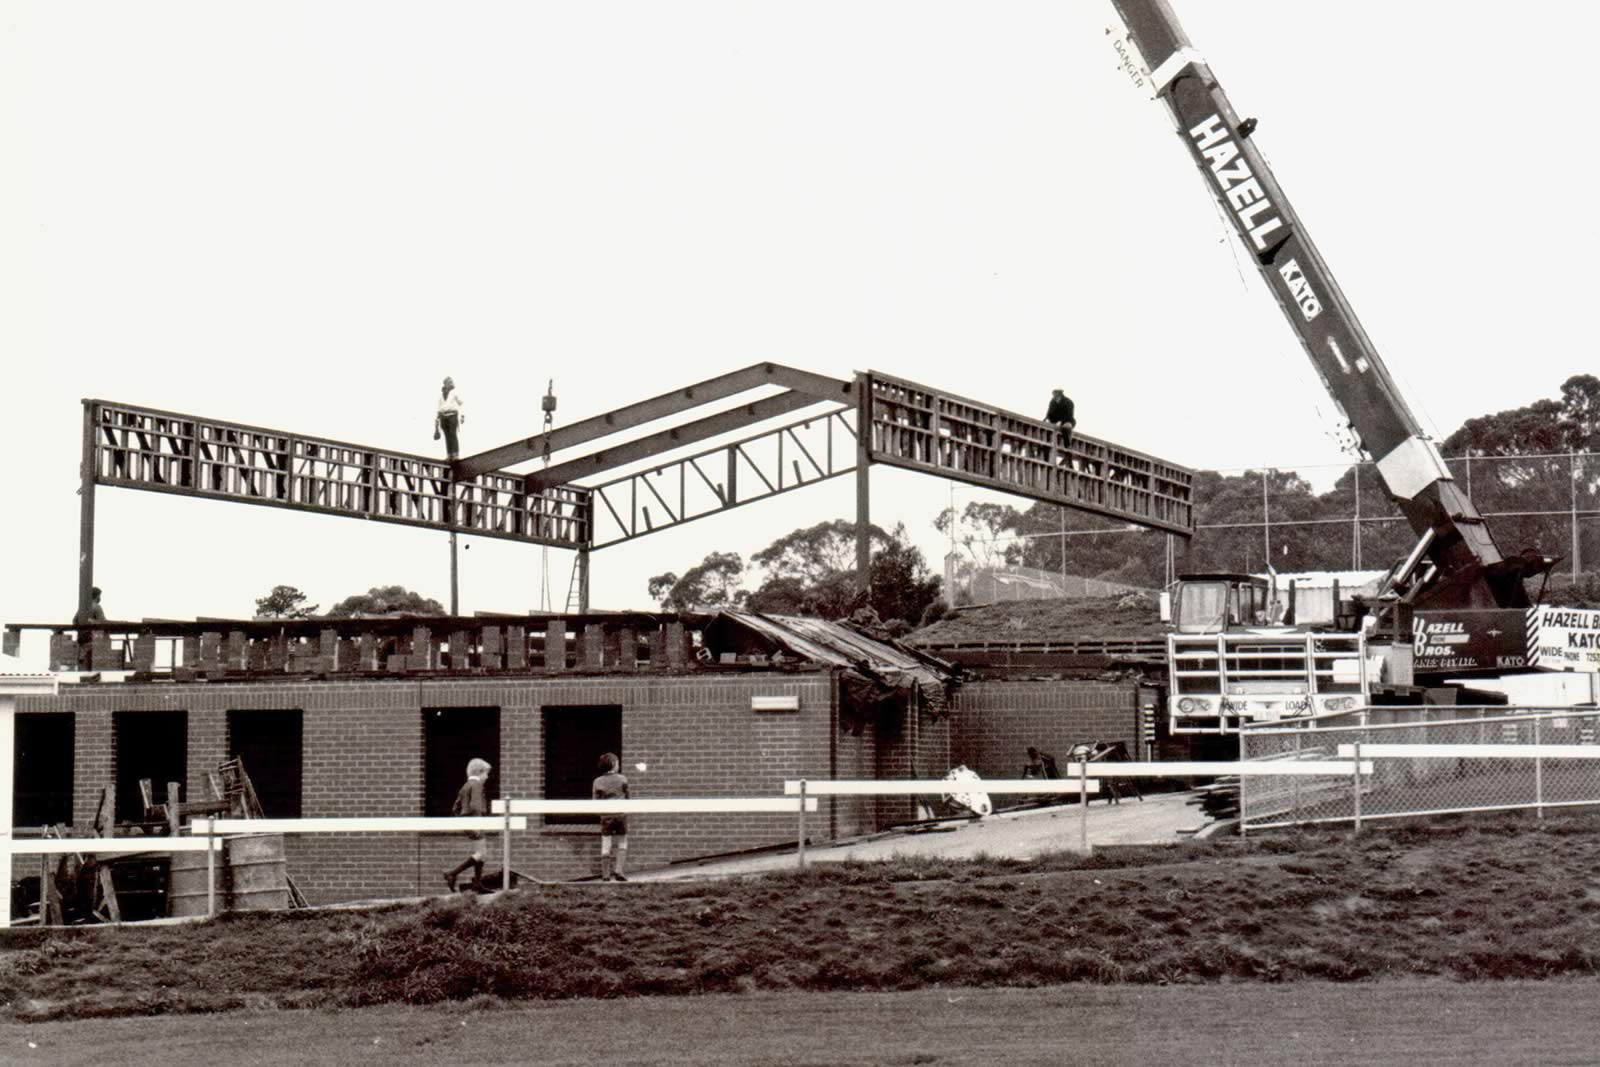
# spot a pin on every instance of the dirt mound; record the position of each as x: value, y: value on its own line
x: 1500, y: 898
x: 1130, y: 616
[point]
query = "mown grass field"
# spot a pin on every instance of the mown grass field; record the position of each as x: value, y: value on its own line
x: 1500, y: 898
x: 1405, y: 1022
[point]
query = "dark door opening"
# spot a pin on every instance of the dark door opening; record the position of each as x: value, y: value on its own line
x: 42, y: 790
x: 153, y: 745
x: 269, y: 743
x: 451, y: 737
x: 574, y: 739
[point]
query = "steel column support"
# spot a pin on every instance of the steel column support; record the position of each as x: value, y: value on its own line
x: 453, y: 502
x: 86, y: 483
x: 864, y: 486
x: 455, y: 596
x: 582, y: 564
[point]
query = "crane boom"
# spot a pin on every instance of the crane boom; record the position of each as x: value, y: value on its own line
x: 1468, y: 570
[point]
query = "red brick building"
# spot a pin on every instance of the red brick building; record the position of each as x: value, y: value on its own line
x: 379, y: 718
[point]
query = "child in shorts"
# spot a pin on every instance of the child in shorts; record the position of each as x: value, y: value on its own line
x: 612, y: 785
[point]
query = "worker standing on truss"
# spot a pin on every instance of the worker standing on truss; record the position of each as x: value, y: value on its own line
x: 449, y: 419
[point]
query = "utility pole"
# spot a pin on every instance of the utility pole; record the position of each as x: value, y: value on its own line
x: 455, y: 597
x: 548, y: 406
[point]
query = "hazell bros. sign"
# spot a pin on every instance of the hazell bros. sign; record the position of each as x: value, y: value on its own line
x: 1564, y: 639
x: 1469, y: 640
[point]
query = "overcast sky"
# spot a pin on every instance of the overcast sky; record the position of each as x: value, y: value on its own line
x: 303, y: 215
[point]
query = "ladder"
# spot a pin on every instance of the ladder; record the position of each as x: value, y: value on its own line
x: 230, y: 782
x: 578, y: 587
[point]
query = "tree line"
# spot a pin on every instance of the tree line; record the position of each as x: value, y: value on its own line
x: 812, y: 571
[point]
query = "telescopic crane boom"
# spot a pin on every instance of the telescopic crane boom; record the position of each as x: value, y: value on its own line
x: 1463, y: 568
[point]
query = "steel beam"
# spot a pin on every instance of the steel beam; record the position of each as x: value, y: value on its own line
x: 645, y: 448
x: 742, y: 472
x: 166, y: 452
x: 907, y: 425
x: 820, y: 386
x: 925, y: 429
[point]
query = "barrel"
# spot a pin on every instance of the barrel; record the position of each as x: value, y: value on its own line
x: 258, y: 876
x: 186, y: 884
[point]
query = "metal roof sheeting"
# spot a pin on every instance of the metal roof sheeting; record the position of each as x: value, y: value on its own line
x: 835, y: 643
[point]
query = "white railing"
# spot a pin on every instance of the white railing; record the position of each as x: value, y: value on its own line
x: 801, y: 798
x: 1077, y: 783
x: 648, y: 805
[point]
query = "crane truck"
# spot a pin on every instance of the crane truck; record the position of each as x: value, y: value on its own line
x: 1225, y: 668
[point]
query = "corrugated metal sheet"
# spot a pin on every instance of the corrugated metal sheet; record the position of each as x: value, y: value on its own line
x: 834, y: 643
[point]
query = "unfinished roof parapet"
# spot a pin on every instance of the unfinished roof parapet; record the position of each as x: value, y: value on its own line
x: 443, y: 646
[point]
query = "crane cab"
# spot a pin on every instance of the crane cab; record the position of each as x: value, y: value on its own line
x: 1218, y: 603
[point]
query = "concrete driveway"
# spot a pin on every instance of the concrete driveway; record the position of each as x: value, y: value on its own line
x: 1158, y: 819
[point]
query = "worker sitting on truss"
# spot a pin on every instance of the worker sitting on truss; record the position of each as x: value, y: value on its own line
x: 1063, y: 417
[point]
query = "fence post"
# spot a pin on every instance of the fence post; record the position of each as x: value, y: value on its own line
x: 1538, y: 772
x: 1294, y: 781
x: 1355, y: 777
x: 1243, y: 780
x: 505, y: 850
x: 1083, y: 804
x: 800, y: 851
x: 211, y: 868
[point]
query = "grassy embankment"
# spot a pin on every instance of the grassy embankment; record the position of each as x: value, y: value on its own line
x: 1497, y: 898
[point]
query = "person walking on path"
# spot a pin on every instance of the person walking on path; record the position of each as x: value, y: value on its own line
x: 449, y: 418
x: 612, y: 785
x: 1062, y: 416
x: 470, y: 800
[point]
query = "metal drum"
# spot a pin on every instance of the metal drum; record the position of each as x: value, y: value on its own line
x: 257, y: 875
x: 186, y: 884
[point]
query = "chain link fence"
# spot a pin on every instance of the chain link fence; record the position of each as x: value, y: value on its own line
x: 1425, y: 781
x: 1249, y: 517
x: 1548, y: 501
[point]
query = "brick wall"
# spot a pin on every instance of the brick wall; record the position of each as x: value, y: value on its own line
x: 362, y: 747
x: 857, y: 746
x: 911, y: 744
x: 993, y: 722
